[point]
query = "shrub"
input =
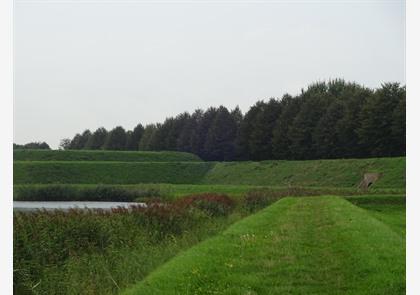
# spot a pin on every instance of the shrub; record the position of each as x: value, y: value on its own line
x: 211, y: 204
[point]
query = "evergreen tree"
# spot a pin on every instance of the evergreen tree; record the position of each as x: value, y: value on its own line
x: 184, y: 142
x: 116, y: 139
x: 398, y: 127
x: 325, y: 136
x: 247, y: 127
x: 199, y: 138
x: 377, y: 115
x: 281, y: 142
x: 133, y: 137
x: 300, y: 133
x: 238, y: 117
x: 260, y: 139
x: 97, y: 140
x: 79, y: 140
x: 145, y: 141
x: 220, y: 141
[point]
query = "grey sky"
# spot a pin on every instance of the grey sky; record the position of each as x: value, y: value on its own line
x: 86, y: 65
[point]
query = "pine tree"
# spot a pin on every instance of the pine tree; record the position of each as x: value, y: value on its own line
x: 199, y: 138
x: 116, y: 139
x: 325, y: 135
x: 221, y: 137
x: 145, y: 141
x: 260, y: 139
x: 377, y: 115
x: 97, y: 140
x: 281, y: 142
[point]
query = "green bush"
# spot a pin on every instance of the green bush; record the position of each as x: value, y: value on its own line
x: 212, y: 204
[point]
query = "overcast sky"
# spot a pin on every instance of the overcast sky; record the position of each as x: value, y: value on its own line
x: 88, y: 64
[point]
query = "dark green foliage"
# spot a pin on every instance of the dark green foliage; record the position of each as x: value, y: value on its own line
x: 334, y: 119
x: 281, y: 142
x: 116, y: 139
x: 301, y: 132
x: 260, y: 141
x: 146, y: 139
x: 377, y: 120
x: 211, y: 203
x: 32, y: 145
x: 79, y: 141
x: 134, y: 137
x: 97, y: 140
x: 325, y: 137
x: 199, y: 137
x: 221, y: 137
x: 65, y: 144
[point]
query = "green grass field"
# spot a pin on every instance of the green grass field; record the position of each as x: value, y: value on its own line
x: 319, y: 245
x: 99, y: 155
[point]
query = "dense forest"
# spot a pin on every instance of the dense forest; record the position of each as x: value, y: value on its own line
x: 334, y: 119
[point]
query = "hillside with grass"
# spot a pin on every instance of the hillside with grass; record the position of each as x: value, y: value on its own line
x: 322, y: 245
x: 102, y: 155
x: 319, y: 173
x: 343, y: 173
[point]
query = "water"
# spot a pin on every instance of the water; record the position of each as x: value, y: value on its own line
x: 33, y: 206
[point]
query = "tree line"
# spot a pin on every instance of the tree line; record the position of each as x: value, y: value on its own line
x: 32, y: 145
x: 334, y: 119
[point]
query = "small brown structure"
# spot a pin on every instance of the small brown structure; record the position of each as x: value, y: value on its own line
x: 368, y: 180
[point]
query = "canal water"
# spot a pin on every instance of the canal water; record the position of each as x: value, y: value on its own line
x: 33, y: 206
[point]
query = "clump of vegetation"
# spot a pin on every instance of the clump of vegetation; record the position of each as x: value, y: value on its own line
x: 212, y: 204
x: 32, y: 146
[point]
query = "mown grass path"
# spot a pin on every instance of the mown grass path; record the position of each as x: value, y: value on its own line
x: 319, y: 245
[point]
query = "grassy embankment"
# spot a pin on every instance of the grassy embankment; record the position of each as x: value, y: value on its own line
x: 99, y: 155
x: 322, y: 245
x: 178, y: 178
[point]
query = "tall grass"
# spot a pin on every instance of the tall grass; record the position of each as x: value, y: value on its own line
x: 100, y: 252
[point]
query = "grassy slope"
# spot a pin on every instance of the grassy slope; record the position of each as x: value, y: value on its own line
x: 86, y: 155
x: 389, y: 209
x: 108, y: 172
x: 321, y: 173
x: 321, y: 245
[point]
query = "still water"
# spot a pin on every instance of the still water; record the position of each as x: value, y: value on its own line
x: 33, y: 206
